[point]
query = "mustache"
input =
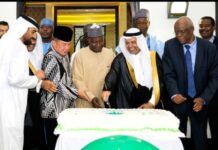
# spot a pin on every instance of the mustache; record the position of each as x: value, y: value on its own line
x: 201, y: 30
x: 27, y: 42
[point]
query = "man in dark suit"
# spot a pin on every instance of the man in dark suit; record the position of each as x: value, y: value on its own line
x: 191, y: 74
x: 206, y: 29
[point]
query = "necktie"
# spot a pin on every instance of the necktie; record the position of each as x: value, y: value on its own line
x: 191, y: 82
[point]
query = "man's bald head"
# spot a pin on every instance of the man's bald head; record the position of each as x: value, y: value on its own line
x: 185, y: 21
x: 184, y: 30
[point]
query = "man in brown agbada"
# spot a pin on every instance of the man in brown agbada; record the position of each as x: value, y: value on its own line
x: 90, y: 66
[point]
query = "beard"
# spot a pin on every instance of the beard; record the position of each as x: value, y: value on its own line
x: 27, y: 42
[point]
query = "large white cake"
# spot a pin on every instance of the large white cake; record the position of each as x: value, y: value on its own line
x: 154, y: 121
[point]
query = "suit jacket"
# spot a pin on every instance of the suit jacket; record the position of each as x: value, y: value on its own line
x: 215, y: 41
x: 205, y: 71
x: 214, y: 102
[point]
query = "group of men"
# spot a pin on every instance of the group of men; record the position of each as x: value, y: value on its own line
x: 186, y: 67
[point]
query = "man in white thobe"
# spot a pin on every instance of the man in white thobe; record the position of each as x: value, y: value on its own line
x: 15, y: 81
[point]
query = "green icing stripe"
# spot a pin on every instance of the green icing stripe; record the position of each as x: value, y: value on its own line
x: 118, y: 129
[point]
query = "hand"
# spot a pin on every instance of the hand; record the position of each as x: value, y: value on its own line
x: 147, y: 105
x: 82, y: 94
x: 49, y: 86
x: 40, y: 74
x: 96, y: 102
x: 178, y: 99
x: 198, y: 104
x: 105, y: 95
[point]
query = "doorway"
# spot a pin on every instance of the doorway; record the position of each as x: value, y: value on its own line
x: 77, y: 17
x: 113, y: 16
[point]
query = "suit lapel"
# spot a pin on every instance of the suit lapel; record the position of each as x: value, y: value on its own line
x: 215, y: 41
x: 199, y: 57
x: 181, y: 57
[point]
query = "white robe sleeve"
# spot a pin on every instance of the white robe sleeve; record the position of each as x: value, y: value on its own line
x: 18, y: 75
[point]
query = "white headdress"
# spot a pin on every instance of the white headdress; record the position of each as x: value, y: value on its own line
x: 16, y: 31
x: 36, y: 56
x: 7, y: 42
x: 140, y: 62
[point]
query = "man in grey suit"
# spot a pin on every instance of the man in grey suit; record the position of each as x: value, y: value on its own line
x: 191, y: 74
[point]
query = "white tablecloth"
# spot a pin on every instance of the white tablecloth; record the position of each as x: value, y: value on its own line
x: 77, y: 140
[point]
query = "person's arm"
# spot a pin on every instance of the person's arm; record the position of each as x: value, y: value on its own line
x: 78, y: 77
x: 169, y: 72
x: 212, y: 84
x: 113, y: 75
x: 19, y: 71
x: 111, y: 80
x: 170, y: 76
x: 52, y: 73
x: 150, y: 103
